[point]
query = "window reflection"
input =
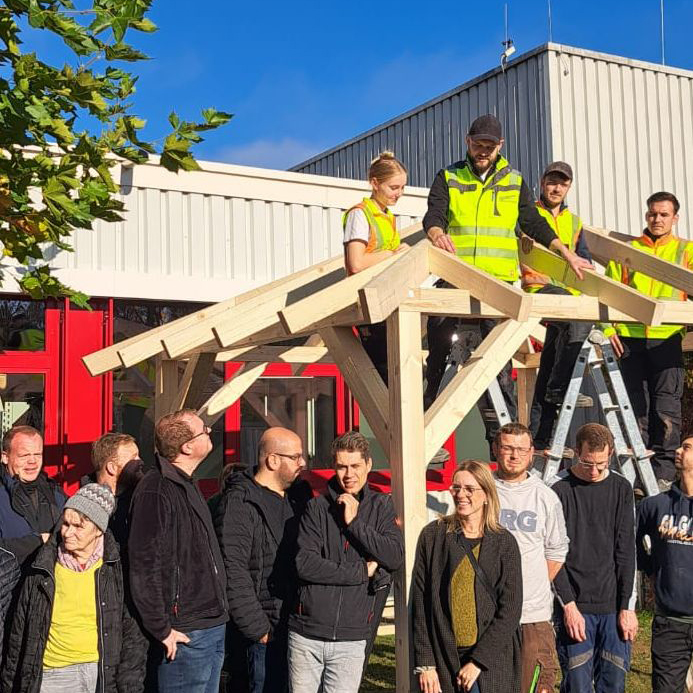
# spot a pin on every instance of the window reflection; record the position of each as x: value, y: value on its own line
x: 22, y: 325
x: 21, y: 400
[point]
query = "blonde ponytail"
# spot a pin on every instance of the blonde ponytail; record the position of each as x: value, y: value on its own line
x: 384, y: 166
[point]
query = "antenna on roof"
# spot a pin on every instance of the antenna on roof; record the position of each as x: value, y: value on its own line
x: 508, y: 46
x: 661, y: 26
x: 550, y: 23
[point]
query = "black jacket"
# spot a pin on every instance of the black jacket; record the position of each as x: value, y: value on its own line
x: 666, y: 520
x: 257, y: 531
x: 529, y: 219
x: 22, y: 521
x: 176, y: 570
x: 122, y: 648
x: 336, y: 598
x: 119, y: 522
x: 9, y: 576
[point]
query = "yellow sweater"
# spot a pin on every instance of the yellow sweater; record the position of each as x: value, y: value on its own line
x: 73, y: 635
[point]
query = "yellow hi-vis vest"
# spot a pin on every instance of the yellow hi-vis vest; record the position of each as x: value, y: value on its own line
x: 567, y: 227
x: 32, y: 340
x: 671, y: 248
x: 382, y: 230
x: 482, y: 217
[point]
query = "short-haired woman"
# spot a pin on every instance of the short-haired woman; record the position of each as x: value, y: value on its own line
x: 370, y: 236
x: 72, y: 630
x: 467, y: 594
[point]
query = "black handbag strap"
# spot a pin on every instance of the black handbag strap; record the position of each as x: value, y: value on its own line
x: 478, y: 570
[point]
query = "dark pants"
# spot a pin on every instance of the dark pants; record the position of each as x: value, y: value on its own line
x: 564, y: 340
x: 197, y: 666
x: 471, y: 333
x: 599, y: 664
x: 268, y: 669
x: 374, y: 340
x: 652, y: 371
x: 672, y: 648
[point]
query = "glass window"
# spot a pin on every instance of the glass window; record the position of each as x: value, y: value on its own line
x: 21, y: 400
x: 22, y: 325
x: 305, y: 405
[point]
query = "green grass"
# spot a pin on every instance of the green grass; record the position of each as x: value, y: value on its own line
x: 380, y: 676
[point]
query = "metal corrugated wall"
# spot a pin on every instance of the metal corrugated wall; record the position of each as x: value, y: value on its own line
x: 627, y: 128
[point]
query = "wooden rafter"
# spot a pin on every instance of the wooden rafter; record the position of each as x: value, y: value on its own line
x: 192, y: 383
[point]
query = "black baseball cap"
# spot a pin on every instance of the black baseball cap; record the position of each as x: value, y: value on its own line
x: 486, y: 127
x: 559, y: 167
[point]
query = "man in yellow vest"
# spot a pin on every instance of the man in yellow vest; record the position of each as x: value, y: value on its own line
x: 474, y: 208
x: 652, y: 357
x: 563, y: 338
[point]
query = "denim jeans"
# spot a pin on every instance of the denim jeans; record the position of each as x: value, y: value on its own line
x: 77, y: 678
x: 197, y: 666
x: 603, y: 658
x: 338, y: 665
x: 268, y: 668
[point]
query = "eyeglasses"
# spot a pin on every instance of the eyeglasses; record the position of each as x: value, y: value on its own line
x: 206, y: 430
x: 468, y: 490
x: 600, y: 467
x: 509, y: 450
x: 294, y: 458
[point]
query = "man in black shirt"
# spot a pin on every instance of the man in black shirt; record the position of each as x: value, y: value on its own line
x: 595, y: 621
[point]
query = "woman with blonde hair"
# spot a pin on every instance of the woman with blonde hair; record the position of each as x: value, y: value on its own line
x: 467, y: 594
x: 370, y: 236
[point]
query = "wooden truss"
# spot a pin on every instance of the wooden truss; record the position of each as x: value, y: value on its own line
x: 322, y: 305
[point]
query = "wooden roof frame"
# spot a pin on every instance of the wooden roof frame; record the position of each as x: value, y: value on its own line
x: 322, y: 304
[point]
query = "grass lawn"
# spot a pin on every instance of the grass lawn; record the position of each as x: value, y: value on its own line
x: 380, y: 676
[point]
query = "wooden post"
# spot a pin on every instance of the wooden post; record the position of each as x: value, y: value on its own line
x: 526, y: 382
x: 408, y: 467
x: 165, y: 387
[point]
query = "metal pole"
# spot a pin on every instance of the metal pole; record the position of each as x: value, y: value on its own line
x: 661, y: 15
x: 505, y: 13
x: 550, y: 24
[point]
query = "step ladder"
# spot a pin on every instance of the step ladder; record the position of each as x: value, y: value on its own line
x: 632, y: 459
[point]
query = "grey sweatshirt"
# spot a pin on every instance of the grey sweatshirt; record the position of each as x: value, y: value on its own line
x: 534, y: 515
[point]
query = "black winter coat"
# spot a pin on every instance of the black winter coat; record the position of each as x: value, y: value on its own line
x: 122, y: 649
x: 337, y: 600
x: 257, y: 535
x: 176, y: 571
x: 497, y: 651
x: 9, y: 576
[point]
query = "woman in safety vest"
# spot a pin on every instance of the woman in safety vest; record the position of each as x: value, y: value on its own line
x: 370, y: 236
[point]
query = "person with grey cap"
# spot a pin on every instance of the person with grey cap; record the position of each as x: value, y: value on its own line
x: 474, y: 208
x: 72, y: 631
x: 563, y: 338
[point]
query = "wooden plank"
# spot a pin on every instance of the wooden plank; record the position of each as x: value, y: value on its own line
x: 165, y: 387
x: 314, y: 341
x: 677, y: 312
x: 406, y: 455
x: 300, y: 355
x: 526, y: 383
x: 606, y: 246
x: 230, y: 392
x: 507, y: 299
x: 381, y: 296
x: 362, y: 378
x: 463, y: 391
x: 643, y: 308
x: 192, y: 384
x: 528, y: 360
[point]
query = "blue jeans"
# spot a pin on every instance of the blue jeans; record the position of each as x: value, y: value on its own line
x: 197, y: 666
x: 268, y: 669
x: 337, y: 664
x: 603, y: 658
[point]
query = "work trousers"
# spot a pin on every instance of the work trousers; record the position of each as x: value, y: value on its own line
x: 672, y: 649
x: 561, y: 348
x: 538, y: 652
x: 470, y: 333
x: 652, y: 371
x: 374, y: 341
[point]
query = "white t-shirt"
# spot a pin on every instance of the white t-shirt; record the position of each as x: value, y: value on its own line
x: 356, y: 227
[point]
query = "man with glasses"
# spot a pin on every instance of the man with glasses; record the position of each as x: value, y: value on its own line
x: 176, y: 568
x: 595, y: 622
x: 349, y: 544
x: 532, y: 512
x: 257, y: 523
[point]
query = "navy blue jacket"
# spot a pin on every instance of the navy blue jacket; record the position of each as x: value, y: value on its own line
x: 667, y: 519
x: 9, y: 577
x: 20, y: 523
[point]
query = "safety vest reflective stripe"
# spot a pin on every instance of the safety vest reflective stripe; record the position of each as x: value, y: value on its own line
x: 482, y: 217
x: 382, y: 228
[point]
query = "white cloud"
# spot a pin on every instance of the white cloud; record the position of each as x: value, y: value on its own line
x: 279, y: 154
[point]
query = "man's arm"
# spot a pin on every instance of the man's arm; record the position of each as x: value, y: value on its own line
x: 311, y: 566
x: 556, y: 541
x: 438, y: 203
x: 624, y: 548
x: 581, y: 247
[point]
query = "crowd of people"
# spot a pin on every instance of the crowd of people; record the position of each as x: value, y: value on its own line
x: 137, y: 583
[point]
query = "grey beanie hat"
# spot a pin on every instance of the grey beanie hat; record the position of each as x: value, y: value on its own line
x: 95, y: 502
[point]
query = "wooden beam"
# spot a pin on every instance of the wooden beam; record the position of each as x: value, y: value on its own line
x: 507, y: 299
x: 463, y: 391
x: 643, y: 308
x: 362, y: 378
x: 406, y: 450
x: 192, y: 384
x: 528, y: 360
x: 381, y: 296
x: 526, y: 383
x: 230, y: 392
x: 299, y: 355
x: 313, y: 342
x: 606, y: 246
x: 165, y: 387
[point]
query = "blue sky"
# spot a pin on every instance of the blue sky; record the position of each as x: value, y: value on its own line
x: 305, y: 75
